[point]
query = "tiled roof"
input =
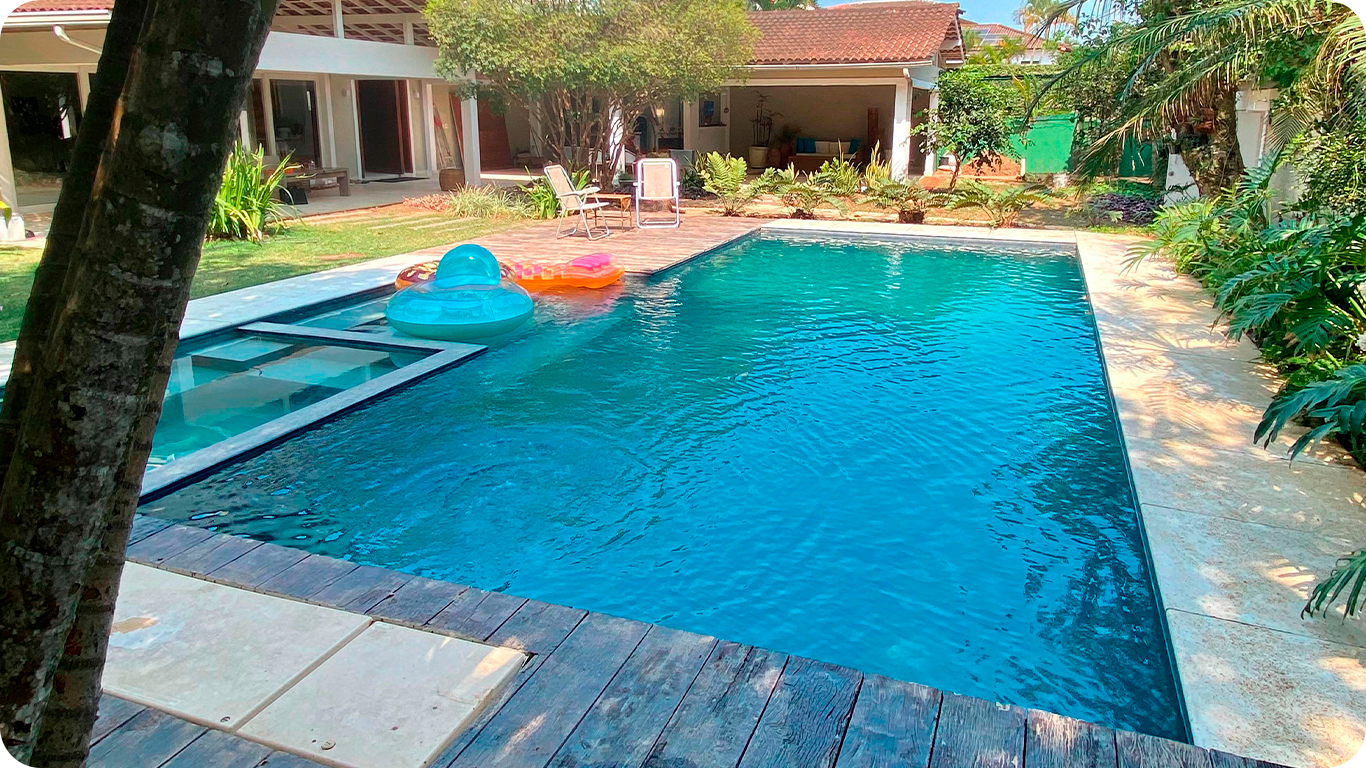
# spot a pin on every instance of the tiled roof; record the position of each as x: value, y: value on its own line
x: 895, y: 31
x: 46, y: 6
x: 996, y: 29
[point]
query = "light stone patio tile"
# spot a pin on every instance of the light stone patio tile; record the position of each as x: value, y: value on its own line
x: 211, y: 653
x: 1271, y: 695
x: 392, y: 698
x: 1251, y: 485
x: 1241, y: 571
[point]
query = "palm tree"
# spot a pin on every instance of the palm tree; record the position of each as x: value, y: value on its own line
x: 1192, y: 62
x: 1039, y: 17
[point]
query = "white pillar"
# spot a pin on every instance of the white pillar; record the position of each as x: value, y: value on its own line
x: 429, y: 127
x: 14, y: 230
x: 415, y: 94
x: 469, y: 123
x: 355, y: 128
x: 244, y: 130
x: 691, y: 132
x: 332, y: 159
x: 408, y: 33
x: 930, y: 161
x: 338, y: 25
x: 83, y: 86
x: 901, y: 131
x: 268, y: 107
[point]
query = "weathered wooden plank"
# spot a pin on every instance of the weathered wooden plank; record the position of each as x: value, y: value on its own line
x: 718, y: 714
x: 362, y: 588
x: 1225, y: 760
x: 144, y: 526
x: 307, y: 577
x: 622, y: 726
x: 1054, y: 741
x: 973, y: 733
x: 216, y: 749
x: 806, y: 717
x: 417, y: 601
x: 1139, y: 750
x: 532, y: 725
x: 892, y: 725
x: 258, y: 566
x: 210, y: 554
x: 477, y: 618
x: 113, y: 713
x: 146, y: 741
x: 537, y: 628
x: 167, y: 543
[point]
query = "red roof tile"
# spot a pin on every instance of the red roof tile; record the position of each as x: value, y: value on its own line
x: 893, y: 31
x: 996, y: 29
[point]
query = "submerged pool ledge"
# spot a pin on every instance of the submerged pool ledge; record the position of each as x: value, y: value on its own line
x: 603, y: 690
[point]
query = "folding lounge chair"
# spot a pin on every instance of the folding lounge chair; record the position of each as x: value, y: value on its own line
x: 657, y: 181
x: 575, y: 202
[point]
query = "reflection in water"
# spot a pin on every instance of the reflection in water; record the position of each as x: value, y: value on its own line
x: 890, y: 456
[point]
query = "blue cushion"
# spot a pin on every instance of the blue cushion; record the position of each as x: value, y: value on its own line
x: 852, y: 146
x: 806, y: 145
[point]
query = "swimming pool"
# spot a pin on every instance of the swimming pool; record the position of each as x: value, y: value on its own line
x: 899, y: 456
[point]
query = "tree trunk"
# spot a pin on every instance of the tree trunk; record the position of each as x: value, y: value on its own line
x: 80, y: 443
x: 1217, y: 163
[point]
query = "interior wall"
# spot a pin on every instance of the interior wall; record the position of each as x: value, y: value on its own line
x: 441, y: 101
x: 518, y: 121
x: 823, y: 112
x: 344, y: 124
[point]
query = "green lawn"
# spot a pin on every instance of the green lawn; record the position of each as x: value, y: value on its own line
x: 296, y: 249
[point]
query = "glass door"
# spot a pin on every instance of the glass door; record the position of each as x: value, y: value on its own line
x: 293, y: 106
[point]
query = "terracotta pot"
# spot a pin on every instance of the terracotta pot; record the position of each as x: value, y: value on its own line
x: 775, y: 158
x: 452, y: 179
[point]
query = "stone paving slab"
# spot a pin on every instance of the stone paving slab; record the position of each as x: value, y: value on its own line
x: 1238, y: 533
x: 213, y: 654
x: 392, y: 698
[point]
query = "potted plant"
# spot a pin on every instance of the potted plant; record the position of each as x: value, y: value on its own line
x: 906, y: 197
x: 787, y: 143
x: 763, y: 131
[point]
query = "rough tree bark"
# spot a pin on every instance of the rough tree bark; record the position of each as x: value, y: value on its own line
x: 96, y: 383
x: 1217, y: 163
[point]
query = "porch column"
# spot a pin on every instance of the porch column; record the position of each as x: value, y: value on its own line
x: 338, y: 25
x: 355, y: 130
x: 469, y: 124
x: 268, y: 108
x: 690, y: 129
x: 901, y: 131
x: 15, y: 229
x: 429, y: 127
x: 931, y: 163
x: 244, y: 130
x: 332, y: 159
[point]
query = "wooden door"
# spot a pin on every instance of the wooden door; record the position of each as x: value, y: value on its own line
x: 385, y: 143
x: 494, y: 151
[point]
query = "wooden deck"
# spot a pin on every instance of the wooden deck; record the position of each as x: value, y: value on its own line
x: 641, y: 251
x: 608, y: 692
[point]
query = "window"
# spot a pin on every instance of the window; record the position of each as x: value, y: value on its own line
x: 709, y: 111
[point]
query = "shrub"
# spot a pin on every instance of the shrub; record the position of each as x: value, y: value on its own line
x: 1002, y: 205
x: 802, y: 195
x: 839, y: 177
x: 1122, y: 208
x: 246, y: 200
x: 906, y: 197
x: 544, y: 204
x: 724, y: 176
x: 434, y: 202
x: 487, y: 202
x: 693, y: 185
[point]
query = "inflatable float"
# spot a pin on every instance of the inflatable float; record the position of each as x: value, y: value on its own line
x: 466, y: 298
x: 595, y: 271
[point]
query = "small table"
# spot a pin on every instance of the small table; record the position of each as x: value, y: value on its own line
x: 622, y: 208
x: 342, y: 176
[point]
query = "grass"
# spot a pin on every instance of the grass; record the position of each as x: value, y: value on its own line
x: 295, y: 248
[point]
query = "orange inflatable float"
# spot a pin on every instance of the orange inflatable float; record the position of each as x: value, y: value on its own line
x: 595, y: 271
x: 417, y: 273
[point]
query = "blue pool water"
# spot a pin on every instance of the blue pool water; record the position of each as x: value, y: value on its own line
x: 894, y: 456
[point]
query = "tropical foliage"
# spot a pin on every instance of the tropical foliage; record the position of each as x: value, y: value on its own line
x: 905, y: 196
x: 973, y: 120
x: 246, y: 201
x: 724, y: 176
x: 585, y: 71
x: 487, y: 202
x: 544, y: 203
x: 803, y: 194
x: 1002, y: 204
